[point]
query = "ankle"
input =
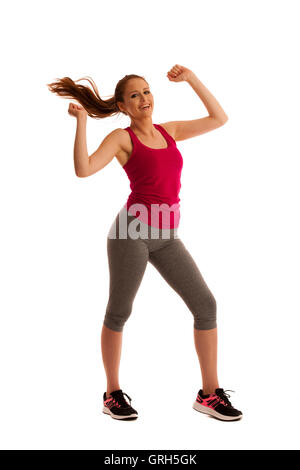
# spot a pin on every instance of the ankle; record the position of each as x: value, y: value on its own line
x: 209, y: 390
x: 111, y: 389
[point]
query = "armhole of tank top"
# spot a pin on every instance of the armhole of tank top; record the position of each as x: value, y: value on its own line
x: 133, y: 140
x: 166, y: 134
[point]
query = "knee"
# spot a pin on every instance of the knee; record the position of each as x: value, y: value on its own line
x: 116, y: 316
x: 205, y: 318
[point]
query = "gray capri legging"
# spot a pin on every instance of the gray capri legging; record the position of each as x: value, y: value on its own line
x: 127, y: 260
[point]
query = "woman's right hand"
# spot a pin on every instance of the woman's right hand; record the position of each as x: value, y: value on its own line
x: 76, y: 110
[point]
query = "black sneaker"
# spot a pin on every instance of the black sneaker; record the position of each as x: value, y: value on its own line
x: 217, y: 405
x: 117, y: 407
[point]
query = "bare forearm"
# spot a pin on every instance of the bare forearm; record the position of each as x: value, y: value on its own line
x: 213, y: 107
x: 81, y: 157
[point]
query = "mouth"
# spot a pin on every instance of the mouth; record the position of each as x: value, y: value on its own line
x: 147, y: 106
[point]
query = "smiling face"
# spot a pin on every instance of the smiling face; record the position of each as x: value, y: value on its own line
x: 136, y: 97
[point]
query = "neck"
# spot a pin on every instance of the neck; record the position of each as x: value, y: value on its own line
x: 143, y: 127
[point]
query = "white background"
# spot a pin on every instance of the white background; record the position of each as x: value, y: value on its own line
x: 239, y: 220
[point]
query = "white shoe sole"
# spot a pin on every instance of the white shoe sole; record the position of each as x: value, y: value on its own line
x: 108, y: 412
x: 209, y: 411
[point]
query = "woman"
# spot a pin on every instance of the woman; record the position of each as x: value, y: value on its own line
x: 146, y: 228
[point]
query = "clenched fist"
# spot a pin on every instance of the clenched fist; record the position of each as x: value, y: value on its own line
x: 76, y: 110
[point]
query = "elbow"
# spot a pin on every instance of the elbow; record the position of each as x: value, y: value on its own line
x: 80, y: 174
x: 223, y: 120
x: 81, y: 166
x: 220, y: 119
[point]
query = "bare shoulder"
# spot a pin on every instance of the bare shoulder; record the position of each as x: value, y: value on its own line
x: 124, y: 145
x: 120, y: 137
x: 169, y: 127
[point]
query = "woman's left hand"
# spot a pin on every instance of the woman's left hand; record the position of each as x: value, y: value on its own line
x: 178, y: 73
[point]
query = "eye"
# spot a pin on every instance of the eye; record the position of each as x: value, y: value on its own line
x: 132, y: 96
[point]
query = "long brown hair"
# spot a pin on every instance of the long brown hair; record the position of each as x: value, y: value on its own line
x: 90, y: 99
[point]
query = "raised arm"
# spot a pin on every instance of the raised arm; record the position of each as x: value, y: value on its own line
x: 181, y: 130
x: 84, y: 164
x: 213, y: 107
x: 81, y: 157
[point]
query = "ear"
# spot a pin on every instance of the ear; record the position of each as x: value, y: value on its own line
x: 120, y: 107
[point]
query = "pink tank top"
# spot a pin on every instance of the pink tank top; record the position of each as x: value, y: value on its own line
x: 154, y: 176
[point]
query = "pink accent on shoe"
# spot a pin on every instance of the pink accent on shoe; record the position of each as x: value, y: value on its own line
x: 110, y: 402
x: 211, y: 401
